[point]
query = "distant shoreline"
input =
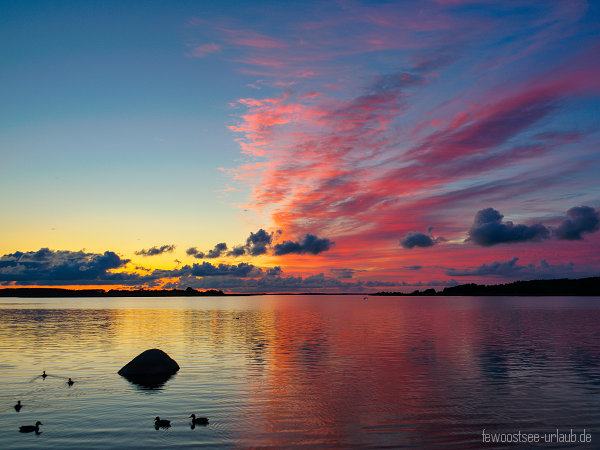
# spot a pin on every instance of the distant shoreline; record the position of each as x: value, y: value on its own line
x: 557, y: 287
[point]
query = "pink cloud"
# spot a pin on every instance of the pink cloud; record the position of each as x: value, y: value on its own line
x: 248, y: 38
x: 365, y: 158
x: 203, y: 50
x: 261, y: 62
x: 348, y: 151
x: 305, y: 47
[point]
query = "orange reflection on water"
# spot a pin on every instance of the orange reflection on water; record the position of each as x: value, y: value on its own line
x: 322, y: 370
x: 328, y: 365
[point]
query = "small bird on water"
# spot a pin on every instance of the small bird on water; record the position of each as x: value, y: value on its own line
x: 199, y: 420
x: 44, y: 374
x: 161, y: 423
x: 30, y: 428
x: 70, y: 382
x: 18, y: 406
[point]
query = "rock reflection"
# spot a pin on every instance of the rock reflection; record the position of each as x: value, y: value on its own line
x: 148, y: 382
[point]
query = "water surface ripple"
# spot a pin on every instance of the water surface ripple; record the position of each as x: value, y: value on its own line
x: 301, y: 371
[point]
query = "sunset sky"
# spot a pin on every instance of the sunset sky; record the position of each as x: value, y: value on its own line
x: 301, y: 146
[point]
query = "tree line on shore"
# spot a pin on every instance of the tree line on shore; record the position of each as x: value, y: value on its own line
x: 564, y: 286
x: 61, y: 292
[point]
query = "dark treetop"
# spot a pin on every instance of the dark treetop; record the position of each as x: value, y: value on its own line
x: 583, y: 286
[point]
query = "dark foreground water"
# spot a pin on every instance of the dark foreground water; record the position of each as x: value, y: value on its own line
x: 307, y: 371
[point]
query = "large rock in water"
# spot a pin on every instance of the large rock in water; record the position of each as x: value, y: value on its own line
x: 151, y: 363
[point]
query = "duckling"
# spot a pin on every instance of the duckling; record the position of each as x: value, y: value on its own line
x: 70, y: 382
x: 44, y: 374
x: 162, y: 423
x: 199, y: 420
x: 18, y: 406
x: 30, y: 428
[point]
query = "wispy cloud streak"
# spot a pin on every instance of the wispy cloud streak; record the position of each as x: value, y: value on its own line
x: 459, y: 120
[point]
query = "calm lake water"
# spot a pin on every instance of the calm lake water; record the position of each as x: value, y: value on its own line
x: 309, y: 371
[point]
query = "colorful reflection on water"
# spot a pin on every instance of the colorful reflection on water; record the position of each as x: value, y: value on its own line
x: 282, y: 371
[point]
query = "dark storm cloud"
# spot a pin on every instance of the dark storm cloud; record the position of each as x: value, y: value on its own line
x: 208, y: 270
x: 488, y: 229
x: 261, y: 242
x: 382, y: 283
x: 313, y: 283
x: 239, y: 250
x: 310, y: 244
x: 511, y: 269
x: 270, y: 283
x: 342, y: 274
x: 502, y: 268
x: 257, y: 243
x: 156, y: 250
x: 219, y: 249
x: 274, y: 271
x: 49, y: 267
x: 416, y: 239
x: 580, y: 219
x: 193, y: 251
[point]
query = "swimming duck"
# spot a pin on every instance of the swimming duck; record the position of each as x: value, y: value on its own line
x: 199, y: 420
x: 30, y: 428
x: 70, y: 382
x: 163, y: 423
x: 44, y: 374
x: 18, y: 406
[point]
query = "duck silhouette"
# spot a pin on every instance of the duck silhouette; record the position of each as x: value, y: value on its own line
x: 199, y: 420
x: 70, y: 382
x: 44, y: 374
x: 18, y: 406
x: 31, y: 428
x: 161, y: 423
